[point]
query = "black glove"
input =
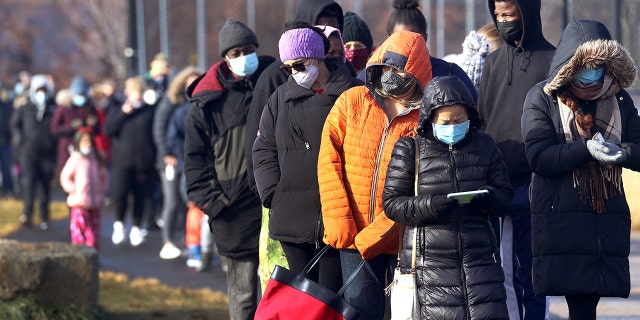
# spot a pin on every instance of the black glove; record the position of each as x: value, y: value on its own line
x: 484, y: 201
x: 441, y: 204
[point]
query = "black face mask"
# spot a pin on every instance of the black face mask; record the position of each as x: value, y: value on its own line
x: 394, y: 84
x: 511, y: 30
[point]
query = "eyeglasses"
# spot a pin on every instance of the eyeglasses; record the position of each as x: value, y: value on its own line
x: 298, y: 66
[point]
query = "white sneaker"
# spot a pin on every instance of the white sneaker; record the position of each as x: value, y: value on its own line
x: 169, y: 251
x: 136, y: 236
x: 118, y: 233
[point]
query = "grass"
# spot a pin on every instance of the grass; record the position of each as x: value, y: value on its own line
x: 119, y: 296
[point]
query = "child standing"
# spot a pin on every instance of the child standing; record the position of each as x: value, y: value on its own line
x: 85, y: 178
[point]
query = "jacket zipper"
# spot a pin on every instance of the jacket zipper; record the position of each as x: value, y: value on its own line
x: 91, y: 186
x: 298, y: 132
x: 374, y: 183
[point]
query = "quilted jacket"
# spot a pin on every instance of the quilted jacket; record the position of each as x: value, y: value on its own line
x: 355, y: 149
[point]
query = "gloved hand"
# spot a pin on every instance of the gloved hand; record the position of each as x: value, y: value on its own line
x: 441, y: 204
x: 606, y: 152
x: 484, y: 201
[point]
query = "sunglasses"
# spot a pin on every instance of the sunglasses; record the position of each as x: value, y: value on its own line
x: 297, y: 66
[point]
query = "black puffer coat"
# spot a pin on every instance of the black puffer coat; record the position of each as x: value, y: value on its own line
x: 458, y: 261
x: 285, y: 155
x: 575, y: 249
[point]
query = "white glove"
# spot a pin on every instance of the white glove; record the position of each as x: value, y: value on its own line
x: 606, y: 152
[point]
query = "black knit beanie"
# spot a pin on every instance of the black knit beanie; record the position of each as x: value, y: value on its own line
x: 355, y: 29
x: 234, y: 34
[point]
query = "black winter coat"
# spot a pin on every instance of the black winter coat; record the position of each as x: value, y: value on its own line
x: 215, y: 166
x: 131, y: 138
x: 285, y: 155
x: 458, y: 261
x: 34, y: 138
x: 575, y: 249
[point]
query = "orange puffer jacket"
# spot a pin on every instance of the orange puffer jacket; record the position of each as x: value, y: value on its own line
x: 357, y: 140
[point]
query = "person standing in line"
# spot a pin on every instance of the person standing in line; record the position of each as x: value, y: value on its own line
x: 201, y: 252
x: 133, y: 152
x: 457, y: 256
x: 285, y: 152
x: 6, y: 150
x: 315, y: 12
x: 68, y: 117
x: 86, y: 180
x: 580, y: 128
x: 215, y: 163
x: 356, y: 143
x: 407, y: 16
x: 169, y: 171
x: 509, y: 72
x: 30, y: 125
x: 358, y: 42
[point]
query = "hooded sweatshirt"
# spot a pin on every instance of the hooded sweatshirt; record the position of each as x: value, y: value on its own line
x: 355, y: 149
x: 575, y: 249
x: 508, y: 74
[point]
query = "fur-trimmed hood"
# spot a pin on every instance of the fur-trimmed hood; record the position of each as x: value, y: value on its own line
x: 587, y: 43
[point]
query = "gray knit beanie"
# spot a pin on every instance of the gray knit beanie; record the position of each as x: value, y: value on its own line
x: 234, y: 34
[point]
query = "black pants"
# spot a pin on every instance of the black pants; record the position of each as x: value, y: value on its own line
x: 37, y: 175
x: 327, y: 273
x: 140, y: 183
x: 583, y: 306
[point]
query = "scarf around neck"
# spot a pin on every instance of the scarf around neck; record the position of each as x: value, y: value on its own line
x: 595, y: 182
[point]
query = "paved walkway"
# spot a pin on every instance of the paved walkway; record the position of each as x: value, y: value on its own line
x: 143, y: 261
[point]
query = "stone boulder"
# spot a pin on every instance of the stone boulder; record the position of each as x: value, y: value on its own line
x: 55, y: 273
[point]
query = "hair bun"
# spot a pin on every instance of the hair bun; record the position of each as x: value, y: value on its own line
x: 405, y: 4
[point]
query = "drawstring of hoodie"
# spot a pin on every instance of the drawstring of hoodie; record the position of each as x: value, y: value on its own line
x: 525, y: 60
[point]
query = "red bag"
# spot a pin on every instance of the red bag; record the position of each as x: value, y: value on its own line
x: 294, y: 296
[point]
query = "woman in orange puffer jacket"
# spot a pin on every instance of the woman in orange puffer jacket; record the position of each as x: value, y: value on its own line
x: 357, y: 139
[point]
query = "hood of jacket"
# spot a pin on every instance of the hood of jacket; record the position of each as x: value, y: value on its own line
x: 405, y: 51
x: 309, y: 11
x: 442, y: 92
x: 39, y: 81
x: 531, y: 22
x: 587, y: 43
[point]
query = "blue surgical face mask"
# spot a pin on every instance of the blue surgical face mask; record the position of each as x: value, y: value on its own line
x: 588, y: 75
x: 451, y: 133
x: 41, y: 98
x: 79, y: 101
x: 244, y: 65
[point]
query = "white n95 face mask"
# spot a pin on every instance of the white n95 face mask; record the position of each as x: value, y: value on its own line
x: 308, y: 77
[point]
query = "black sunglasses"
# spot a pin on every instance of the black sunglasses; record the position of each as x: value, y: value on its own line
x: 297, y: 66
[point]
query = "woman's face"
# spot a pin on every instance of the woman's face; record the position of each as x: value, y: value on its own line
x: 449, y: 115
x: 85, y: 141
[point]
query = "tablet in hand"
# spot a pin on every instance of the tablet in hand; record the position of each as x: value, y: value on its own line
x: 465, y: 197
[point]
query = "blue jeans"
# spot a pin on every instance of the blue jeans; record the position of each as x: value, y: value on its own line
x: 242, y: 286
x: 518, y: 242
x: 366, y: 292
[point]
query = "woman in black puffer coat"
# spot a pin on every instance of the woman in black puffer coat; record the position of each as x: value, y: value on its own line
x: 458, y: 261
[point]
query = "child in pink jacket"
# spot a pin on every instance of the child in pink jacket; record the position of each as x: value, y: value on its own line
x: 85, y: 178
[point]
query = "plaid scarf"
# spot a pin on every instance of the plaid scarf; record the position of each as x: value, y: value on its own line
x: 595, y: 182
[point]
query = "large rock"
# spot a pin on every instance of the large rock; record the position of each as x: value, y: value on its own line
x: 51, y: 272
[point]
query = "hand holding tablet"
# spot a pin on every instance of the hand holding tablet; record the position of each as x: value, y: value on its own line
x: 465, y: 197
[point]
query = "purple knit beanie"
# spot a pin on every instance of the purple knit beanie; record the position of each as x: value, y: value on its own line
x: 301, y: 43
